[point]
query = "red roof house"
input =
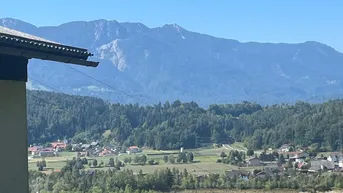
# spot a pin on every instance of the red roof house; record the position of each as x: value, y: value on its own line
x: 60, y: 145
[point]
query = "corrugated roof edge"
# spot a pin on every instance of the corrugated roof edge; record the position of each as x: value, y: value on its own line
x: 21, y: 39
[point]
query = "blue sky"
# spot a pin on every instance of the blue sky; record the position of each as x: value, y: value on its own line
x: 243, y: 20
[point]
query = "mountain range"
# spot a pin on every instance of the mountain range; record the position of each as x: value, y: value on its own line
x: 146, y: 65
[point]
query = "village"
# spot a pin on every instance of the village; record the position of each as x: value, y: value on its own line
x: 92, y: 149
x: 285, y: 161
x: 239, y: 163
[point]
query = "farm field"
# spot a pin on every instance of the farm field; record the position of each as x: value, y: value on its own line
x: 204, y: 161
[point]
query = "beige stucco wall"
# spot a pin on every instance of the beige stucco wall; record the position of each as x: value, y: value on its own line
x: 13, y: 137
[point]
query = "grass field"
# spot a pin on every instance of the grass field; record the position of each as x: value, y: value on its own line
x: 204, y: 161
x: 239, y: 146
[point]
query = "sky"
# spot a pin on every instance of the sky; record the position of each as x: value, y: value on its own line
x: 289, y: 21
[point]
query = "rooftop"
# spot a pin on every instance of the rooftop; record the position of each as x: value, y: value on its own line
x: 17, y: 43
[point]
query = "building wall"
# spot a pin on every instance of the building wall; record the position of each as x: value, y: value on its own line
x: 13, y: 128
x: 46, y: 154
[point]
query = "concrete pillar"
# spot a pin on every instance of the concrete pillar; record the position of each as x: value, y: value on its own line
x: 13, y: 125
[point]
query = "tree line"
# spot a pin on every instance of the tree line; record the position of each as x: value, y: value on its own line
x: 172, y: 125
x: 72, y: 178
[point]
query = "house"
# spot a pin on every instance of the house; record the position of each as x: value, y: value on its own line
x: 335, y: 157
x: 254, y: 162
x: 302, y: 149
x: 299, y: 156
x: 111, y: 147
x: 133, y: 149
x: 34, y: 150
x: 47, y: 152
x: 84, y: 147
x: 275, y: 170
x: 340, y: 164
x: 94, y: 144
x: 106, y: 152
x: 285, y: 148
x: 269, y: 171
x: 58, y: 145
x: 238, y: 174
x: 76, y: 147
x: 318, y: 165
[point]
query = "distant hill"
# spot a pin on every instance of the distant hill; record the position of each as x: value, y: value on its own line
x: 170, y: 63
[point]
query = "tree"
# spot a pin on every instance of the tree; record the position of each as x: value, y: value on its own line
x: 171, y: 159
x: 69, y: 148
x: 41, y: 165
x: 289, y: 164
x: 111, y: 162
x: 250, y: 152
x: 151, y: 162
x: 165, y: 159
x: 79, y: 165
x: 281, y: 159
x: 118, y: 164
x: 178, y: 160
x: 222, y: 155
x: 190, y: 157
x: 84, y: 161
x: 143, y: 159
x: 291, y: 149
x: 95, y: 163
x: 40, y: 168
x: 137, y: 159
x: 126, y: 160
x: 182, y: 157
x: 313, y: 154
x: 43, y: 162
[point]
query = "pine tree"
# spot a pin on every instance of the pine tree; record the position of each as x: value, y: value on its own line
x: 111, y: 162
x: 190, y: 157
x: 95, y: 163
x: 165, y: 159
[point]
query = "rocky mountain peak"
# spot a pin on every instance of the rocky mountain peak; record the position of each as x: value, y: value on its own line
x: 170, y: 63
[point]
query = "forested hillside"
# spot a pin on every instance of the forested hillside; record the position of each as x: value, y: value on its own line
x: 171, y: 125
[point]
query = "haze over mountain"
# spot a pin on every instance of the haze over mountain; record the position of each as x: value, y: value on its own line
x: 170, y: 63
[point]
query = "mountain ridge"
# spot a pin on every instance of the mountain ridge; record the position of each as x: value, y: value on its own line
x: 172, y: 63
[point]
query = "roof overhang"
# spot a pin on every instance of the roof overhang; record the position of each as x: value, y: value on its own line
x: 17, y: 43
x: 45, y: 56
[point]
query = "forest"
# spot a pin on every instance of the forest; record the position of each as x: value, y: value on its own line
x: 172, y: 125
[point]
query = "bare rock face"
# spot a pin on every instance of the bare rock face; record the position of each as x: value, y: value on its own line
x: 170, y: 63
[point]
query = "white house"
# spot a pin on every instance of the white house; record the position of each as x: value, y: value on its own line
x: 133, y: 150
x: 335, y: 157
x: 285, y: 148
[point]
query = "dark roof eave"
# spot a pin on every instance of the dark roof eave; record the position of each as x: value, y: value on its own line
x: 46, y: 56
x: 25, y: 43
